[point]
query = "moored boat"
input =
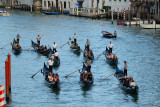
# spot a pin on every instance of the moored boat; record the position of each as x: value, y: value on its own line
x: 4, y: 13
x: 108, y: 35
x: 51, y: 13
x: 51, y: 78
x: 86, y: 78
x: 120, y: 23
x: 88, y: 54
x: 127, y: 82
x: 40, y: 49
x: 16, y: 47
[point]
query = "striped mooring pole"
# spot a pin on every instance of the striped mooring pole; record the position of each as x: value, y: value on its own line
x: 124, y: 15
x: 2, y: 96
x: 118, y: 14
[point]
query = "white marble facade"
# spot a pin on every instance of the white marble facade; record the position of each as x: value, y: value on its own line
x: 60, y: 4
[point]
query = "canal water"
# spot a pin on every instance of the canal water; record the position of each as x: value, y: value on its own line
x: 139, y: 47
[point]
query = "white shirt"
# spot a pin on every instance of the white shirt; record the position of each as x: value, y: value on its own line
x: 115, y: 33
x: 55, y: 46
x: 75, y: 36
x: 56, y: 54
x: 88, y: 43
x: 110, y: 45
x: 50, y: 62
x: 52, y: 57
x: 38, y: 38
x: 125, y: 66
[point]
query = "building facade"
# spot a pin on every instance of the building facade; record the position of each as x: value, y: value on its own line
x: 57, y: 5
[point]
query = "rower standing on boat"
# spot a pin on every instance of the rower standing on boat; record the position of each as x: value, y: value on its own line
x: 38, y: 39
x: 125, y: 68
x: 75, y: 38
x: 115, y: 33
x: 56, y: 55
x: 88, y: 44
x: 50, y: 63
x: 54, y: 47
x: 110, y: 47
x: 89, y: 62
x: 18, y: 37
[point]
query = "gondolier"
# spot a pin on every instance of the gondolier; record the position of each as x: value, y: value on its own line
x: 88, y: 65
x: 50, y: 63
x: 110, y: 47
x: 56, y: 54
x: 115, y: 33
x: 54, y: 47
x: 18, y: 37
x: 88, y: 44
x: 38, y: 39
x: 125, y: 68
x: 75, y: 38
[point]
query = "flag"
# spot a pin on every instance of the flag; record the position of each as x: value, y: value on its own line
x: 77, y: 4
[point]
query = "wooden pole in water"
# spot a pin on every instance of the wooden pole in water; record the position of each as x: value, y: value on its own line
x: 112, y: 16
x: 9, y: 69
x: 7, y: 80
x: 155, y: 12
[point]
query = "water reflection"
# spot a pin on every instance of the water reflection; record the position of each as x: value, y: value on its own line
x: 55, y: 90
x: 85, y: 89
x: 16, y: 52
x: 133, y: 95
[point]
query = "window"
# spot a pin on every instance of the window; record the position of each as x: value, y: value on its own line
x: 52, y: 3
x: 64, y: 5
x: 68, y: 4
x: 109, y: 0
x: 49, y: 4
x: 119, y: 0
x: 44, y: 3
x: 125, y: 0
x: 114, y: 0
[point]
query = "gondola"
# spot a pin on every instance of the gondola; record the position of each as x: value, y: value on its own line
x: 127, y: 83
x: 39, y: 50
x: 88, y: 54
x: 56, y: 59
x: 52, y: 83
x: 51, y: 13
x: 16, y: 47
x: 86, y: 81
x: 120, y: 22
x: 75, y: 49
x: 108, y: 35
x: 112, y: 61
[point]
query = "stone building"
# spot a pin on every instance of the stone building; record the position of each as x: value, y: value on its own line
x: 57, y: 5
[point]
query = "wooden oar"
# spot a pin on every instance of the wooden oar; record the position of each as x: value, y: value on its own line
x: 63, y: 45
x: 100, y: 54
x: 107, y: 77
x: 73, y: 72
x: 82, y: 50
x: 36, y: 73
x: 32, y: 45
x: 43, y: 54
x: 5, y: 45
